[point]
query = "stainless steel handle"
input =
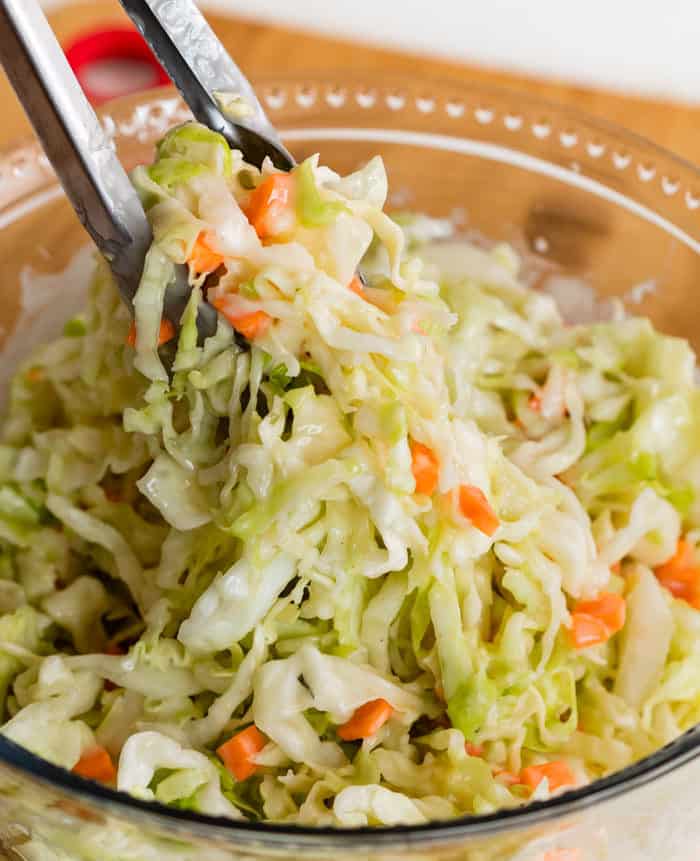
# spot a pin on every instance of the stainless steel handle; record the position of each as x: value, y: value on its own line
x: 73, y: 139
x: 205, y: 74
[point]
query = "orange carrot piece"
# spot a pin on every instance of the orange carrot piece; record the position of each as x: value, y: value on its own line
x: 616, y: 567
x: 680, y: 575
x: 96, y: 764
x: 610, y: 608
x: 356, y: 286
x: 475, y: 507
x: 474, y: 749
x: 587, y: 631
x: 425, y: 468
x: 366, y: 720
x: 684, y: 585
x: 165, y: 333
x: 535, y: 402
x: 558, y: 774
x: 679, y: 562
x: 202, y: 258
x: 35, y: 375
x: 594, y: 622
x: 268, y: 202
x: 251, y: 326
x: 237, y: 753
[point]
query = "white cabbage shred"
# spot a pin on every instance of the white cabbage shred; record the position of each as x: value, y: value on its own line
x: 393, y: 505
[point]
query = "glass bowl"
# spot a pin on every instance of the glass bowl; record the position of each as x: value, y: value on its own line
x: 586, y: 199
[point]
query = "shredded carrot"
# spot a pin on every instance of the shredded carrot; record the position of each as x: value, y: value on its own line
x: 251, y: 326
x: 595, y: 621
x: 684, y: 585
x: 425, y: 468
x: 35, y: 375
x: 96, y: 764
x: 165, y: 333
x: 202, y: 258
x: 366, y: 720
x: 268, y: 202
x: 680, y: 575
x: 563, y: 855
x: 558, y: 774
x: 475, y: 507
x: 679, y: 562
x: 608, y: 607
x: 587, y: 631
x: 616, y: 567
x: 356, y: 286
x: 535, y: 402
x: 474, y: 749
x: 238, y: 752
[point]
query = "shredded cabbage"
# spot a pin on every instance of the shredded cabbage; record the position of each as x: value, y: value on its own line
x: 361, y: 534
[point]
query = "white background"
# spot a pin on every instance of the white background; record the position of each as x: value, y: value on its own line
x: 650, y: 47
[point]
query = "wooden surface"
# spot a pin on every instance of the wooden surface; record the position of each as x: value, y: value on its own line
x: 264, y: 51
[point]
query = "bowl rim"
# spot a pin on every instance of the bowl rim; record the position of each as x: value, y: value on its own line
x: 451, y: 83
x: 397, y: 81
x: 458, y: 830
x: 22, y: 763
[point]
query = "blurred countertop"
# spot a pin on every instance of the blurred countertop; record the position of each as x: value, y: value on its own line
x: 633, y: 46
x: 650, y: 90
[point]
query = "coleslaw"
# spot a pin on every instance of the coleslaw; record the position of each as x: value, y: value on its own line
x: 381, y: 550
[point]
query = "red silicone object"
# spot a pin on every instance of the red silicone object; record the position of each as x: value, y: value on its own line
x: 118, y: 43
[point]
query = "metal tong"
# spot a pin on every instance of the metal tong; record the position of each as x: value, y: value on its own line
x: 216, y: 91
x: 83, y: 157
